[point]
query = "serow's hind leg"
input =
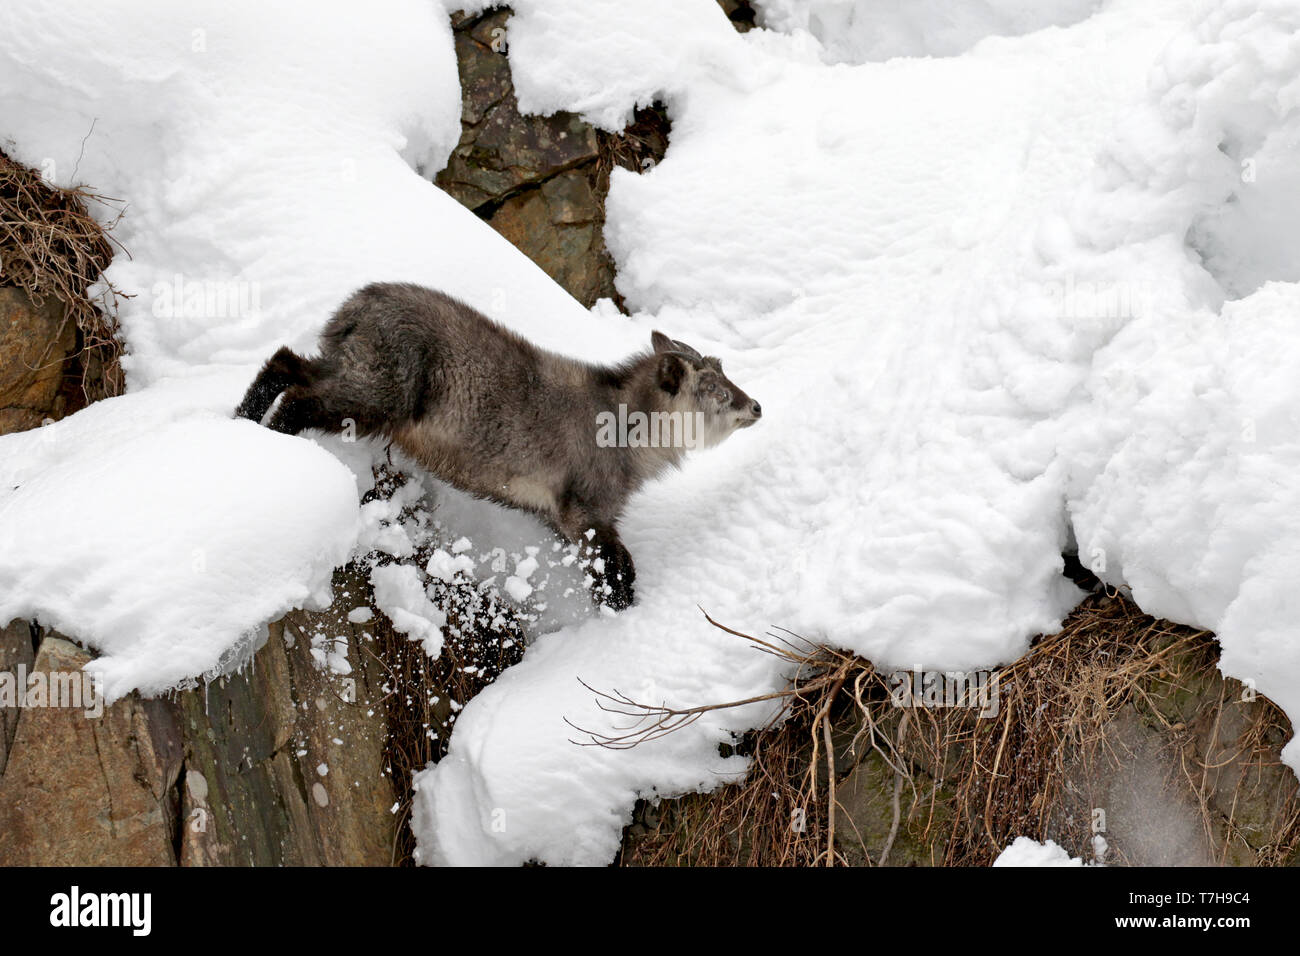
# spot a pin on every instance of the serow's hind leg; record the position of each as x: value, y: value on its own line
x: 282, y: 370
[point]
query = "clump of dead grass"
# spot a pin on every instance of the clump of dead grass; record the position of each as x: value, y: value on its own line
x: 638, y: 147
x: 50, y: 245
x: 964, y: 786
x: 785, y: 813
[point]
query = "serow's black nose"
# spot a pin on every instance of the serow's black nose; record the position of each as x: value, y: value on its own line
x: 757, y: 409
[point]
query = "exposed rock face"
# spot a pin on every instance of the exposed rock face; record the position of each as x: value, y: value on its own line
x: 740, y: 13
x: 540, y: 181
x: 35, y: 341
x: 285, y: 762
x: 559, y: 226
x: 501, y: 151
x: 88, y: 790
x: 1199, y: 781
x: 282, y: 764
x: 16, y: 651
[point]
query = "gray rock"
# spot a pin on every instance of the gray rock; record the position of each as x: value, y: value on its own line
x: 35, y: 342
x: 501, y: 151
x: 558, y: 226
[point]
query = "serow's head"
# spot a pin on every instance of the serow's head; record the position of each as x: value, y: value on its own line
x: 697, y: 384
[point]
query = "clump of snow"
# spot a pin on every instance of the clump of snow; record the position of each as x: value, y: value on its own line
x: 1100, y: 847
x: 434, y: 590
x: 330, y: 652
x: 387, y: 525
x: 517, y: 585
x: 400, y: 594
x: 446, y: 567
x: 413, y: 521
x: 1026, y: 851
x: 509, y: 539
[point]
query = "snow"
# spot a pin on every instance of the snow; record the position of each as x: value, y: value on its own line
x: 1006, y: 282
x: 858, y: 31
x: 1026, y: 851
x: 445, y: 567
x: 517, y: 585
x: 167, y: 538
x: 951, y: 282
x: 1185, y: 484
x: 329, y: 651
x: 1100, y: 847
x: 401, y: 595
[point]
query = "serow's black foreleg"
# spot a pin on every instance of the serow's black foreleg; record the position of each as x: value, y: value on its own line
x: 612, y: 569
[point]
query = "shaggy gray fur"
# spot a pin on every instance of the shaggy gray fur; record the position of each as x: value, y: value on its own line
x: 489, y: 412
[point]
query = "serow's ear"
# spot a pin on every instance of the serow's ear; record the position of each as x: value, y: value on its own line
x: 671, y: 372
x: 681, y: 346
x: 661, y: 342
